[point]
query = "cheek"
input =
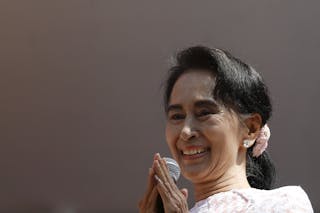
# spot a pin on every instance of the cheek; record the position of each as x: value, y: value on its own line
x: 223, y: 138
x: 172, y: 136
x: 218, y: 133
x: 213, y: 130
x: 172, y: 132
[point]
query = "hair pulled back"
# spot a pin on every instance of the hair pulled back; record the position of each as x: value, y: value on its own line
x: 238, y: 86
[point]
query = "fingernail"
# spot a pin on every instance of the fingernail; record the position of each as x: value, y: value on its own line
x: 157, y: 163
x: 157, y: 178
x: 155, y: 156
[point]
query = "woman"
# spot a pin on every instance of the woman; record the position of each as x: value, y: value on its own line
x: 217, y: 110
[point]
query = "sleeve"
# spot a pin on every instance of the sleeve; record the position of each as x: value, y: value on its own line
x: 297, y: 201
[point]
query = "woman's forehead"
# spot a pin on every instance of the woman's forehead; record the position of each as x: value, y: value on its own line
x: 193, y: 85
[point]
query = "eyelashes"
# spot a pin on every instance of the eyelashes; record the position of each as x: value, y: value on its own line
x: 177, y: 116
x: 204, y: 113
x: 200, y: 114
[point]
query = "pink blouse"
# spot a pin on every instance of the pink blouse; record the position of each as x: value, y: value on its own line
x: 287, y: 199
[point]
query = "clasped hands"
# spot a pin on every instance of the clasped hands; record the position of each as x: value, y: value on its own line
x: 160, y: 182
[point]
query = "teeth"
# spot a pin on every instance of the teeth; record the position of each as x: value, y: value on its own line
x: 193, y: 151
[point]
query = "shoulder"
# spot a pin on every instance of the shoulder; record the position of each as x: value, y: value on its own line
x: 290, y: 199
x: 284, y: 199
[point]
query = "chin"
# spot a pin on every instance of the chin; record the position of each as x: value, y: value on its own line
x: 196, y: 171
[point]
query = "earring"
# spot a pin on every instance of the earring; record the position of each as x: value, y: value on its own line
x: 246, y: 143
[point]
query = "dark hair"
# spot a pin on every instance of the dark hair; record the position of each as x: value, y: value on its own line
x: 238, y: 86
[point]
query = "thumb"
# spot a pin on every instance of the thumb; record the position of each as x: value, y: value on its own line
x: 184, y: 191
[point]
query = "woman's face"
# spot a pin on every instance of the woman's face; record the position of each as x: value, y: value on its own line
x: 203, y: 136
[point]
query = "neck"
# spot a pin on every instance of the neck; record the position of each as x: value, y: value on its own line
x: 235, y: 178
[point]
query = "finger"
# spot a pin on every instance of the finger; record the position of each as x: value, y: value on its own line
x: 157, y: 169
x: 151, y: 183
x: 170, y: 200
x: 148, y: 201
x: 152, y: 199
x: 163, y: 189
x: 170, y: 189
x: 166, y: 191
x: 167, y: 176
x: 185, y: 192
x: 162, y: 170
x: 161, y: 177
x: 156, y: 156
x: 173, y: 198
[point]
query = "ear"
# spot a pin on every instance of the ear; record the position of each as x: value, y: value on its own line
x: 253, y: 124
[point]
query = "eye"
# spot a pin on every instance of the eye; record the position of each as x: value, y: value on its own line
x: 204, y: 112
x: 177, y: 116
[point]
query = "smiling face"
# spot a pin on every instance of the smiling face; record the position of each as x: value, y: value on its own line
x: 203, y: 136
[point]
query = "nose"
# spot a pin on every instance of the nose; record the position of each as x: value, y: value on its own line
x: 189, y: 131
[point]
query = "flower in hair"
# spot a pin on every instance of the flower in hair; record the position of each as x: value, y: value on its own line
x: 262, y: 141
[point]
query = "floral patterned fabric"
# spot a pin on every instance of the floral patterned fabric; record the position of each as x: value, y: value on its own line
x: 287, y: 199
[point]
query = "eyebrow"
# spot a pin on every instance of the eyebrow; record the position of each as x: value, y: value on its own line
x: 208, y: 102
x: 200, y: 103
x: 174, y: 107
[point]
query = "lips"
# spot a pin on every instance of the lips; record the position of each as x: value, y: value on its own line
x: 193, y: 151
x: 190, y: 153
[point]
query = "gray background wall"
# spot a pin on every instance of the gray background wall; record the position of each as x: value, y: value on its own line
x: 80, y: 96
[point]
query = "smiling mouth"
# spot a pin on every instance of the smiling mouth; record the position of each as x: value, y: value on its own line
x: 194, y: 152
